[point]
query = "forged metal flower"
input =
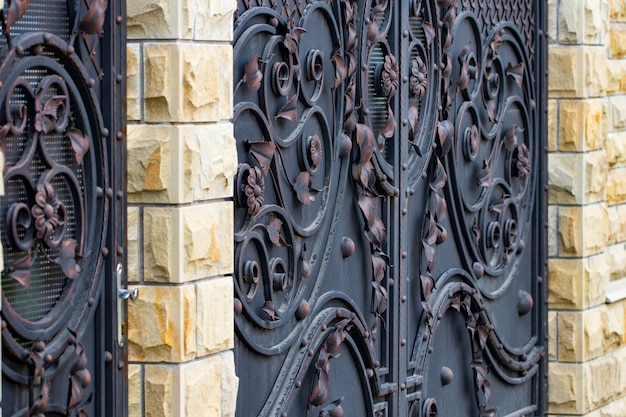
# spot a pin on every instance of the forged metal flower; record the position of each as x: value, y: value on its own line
x: 254, y: 190
x: 522, y: 162
x: 315, y: 151
x: 419, y: 78
x: 49, y: 214
x: 389, y: 76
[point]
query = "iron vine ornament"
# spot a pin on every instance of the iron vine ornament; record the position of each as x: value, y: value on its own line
x: 384, y: 207
x: 54, y: 212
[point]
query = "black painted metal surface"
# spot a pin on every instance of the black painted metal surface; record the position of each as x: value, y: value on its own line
x: 62, y: 66
x: 389, y: 208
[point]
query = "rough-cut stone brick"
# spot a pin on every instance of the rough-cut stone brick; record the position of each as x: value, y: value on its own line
x: 616, y: 186
x: 215, y: 315
x: 133, y: 81
x: 571, y: 22
x: 618, y: 112
x: 596, y: 278
x: 552, y: 20
x: 565, y: 178
x: 566, y: 77
x: 230, y: 383
x: 595, y: 23
x: 596, y: 228
x: 162, y: 95
x: 621, y: 236
x: 570, y: 231
x: 201, y: 388
x: 162, y: 324
x: 600, y: 376
x: 570, y: 340
x: 552, y: 124
x: 596, y: 175
x: 616, y: 76
x: 552, y: 335
x: 617, y: 260
x: 213, y: 20
x: 565, y: 284
x: 135, y: 391
x: 150, y: 165
x: 160, y: 19
x: 160, y: 226
x: 618, y: 12
x: 565, y: 395
x: 553, y: 246
x: 132, y: 245
x: 615, y: 146
x: 580, y: 124
x: 159, y: 390
x: 617, y: 41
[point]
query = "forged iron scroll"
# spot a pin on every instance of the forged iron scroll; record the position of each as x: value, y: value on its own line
x: 388, y: 169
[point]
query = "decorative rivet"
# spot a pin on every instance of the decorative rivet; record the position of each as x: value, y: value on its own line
x: 109, y: 192
x: 366, y: 334
x: 430, y: 349
x: 405, y: 33
x: 446, y: 375
x: 405, y: 166
x: 405, y: 122
x: 19, y: 50
x: 120, y: 365
x: 119, y: 250
x: 105, y: 251
x: 405, y: 79
x: 404, y: 211
x: 119, y: 194
x: 403, y: 298
x: 539, y: 280
x: 238, y: 306
x: 99, y: 192
x: 47, y: 37
x: 105, y: 132
x: 403, y: 386
x: 369, y: 372
x: 403, y: 342
x: 91, y: 302
x: 118, y: 78
x: 391, y: 282
x: 3, y: 325
x: 48, y: 358
x: 404, y: 254
x: 119, y: 135
x: 304, y: 342
x: 324, y: 327
x: 479, y: 270
x: 91, y: 83
x: 424, y: 336
x: 412, y: 191
x: 108, y: 357
x: 303, y: 310
x: 118, y: 20
x: 524, y: 302
x: 311, y: 352
x: 347, y: 247
x: 298, y: 384
x: 376, y: 364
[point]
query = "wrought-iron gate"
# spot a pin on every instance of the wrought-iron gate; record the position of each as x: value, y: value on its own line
x: 62, y: 216
x: 389, y: 208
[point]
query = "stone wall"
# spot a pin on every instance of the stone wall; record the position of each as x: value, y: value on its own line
x: 181, y: 161
x: 587, y: 212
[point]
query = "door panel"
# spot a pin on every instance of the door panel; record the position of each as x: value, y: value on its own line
x: 61, y: 72
x: 388, y: 208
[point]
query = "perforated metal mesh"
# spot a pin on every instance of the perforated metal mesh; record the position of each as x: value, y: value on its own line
x: 44, y: 16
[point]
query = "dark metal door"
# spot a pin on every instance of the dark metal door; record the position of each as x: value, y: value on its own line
x: 389, y: 208
x: 62, y: 215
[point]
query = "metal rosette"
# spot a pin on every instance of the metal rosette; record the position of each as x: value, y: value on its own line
x: 55, y: 204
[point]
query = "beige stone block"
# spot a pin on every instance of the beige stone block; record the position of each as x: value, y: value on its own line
x: 132, y: 233
x: 595, y: 21
x: 594, y: 323
x: 162, y: 89
x: 553, y: 21
x: 188, y: 243
x: 596, y: 228
x: 152, y: 163
x: 209, y: 162
x: 566, y: 77
x: 616, y: 186
x: 616, y: 76
x: 135, y: 391
x: 617, y: 260
x: 570, y: 337
x: 571, y: 21
x: 162, y: 324
x: 213, y: 20
x: 206, y: 241
x: 621, y: 236
x: 565, y: 395
x: 553, y: 246
x: 215, y: 315
x: 613, y: 409
x: 580, y: 125
x: 596, y: 175
x: 133, y: 81
x: 160, y: 19
x: 617, y: 41
x: 226, y: 82
x: 615, y: 146
x: 570, y: 233
x: 596, y: 71
x: 201, y: 388
x: 614, y: 224
x: 620, y: 358
x: 552, y: 335
x: 230, y: 383
x: 618, y: 10
x: 552, y: 126
x: 565, y: 178
x: 615, y: 329
x: 566, y: 284
x: 600, y: 376
x: 596, y: 278
x: 618, y: 112
x: 160, y: 230
x: 201, y: 82
x: 160, y: 390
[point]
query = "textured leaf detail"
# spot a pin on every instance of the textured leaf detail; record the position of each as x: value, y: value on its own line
x: 20, y: 270
x: 270, y: 311
x: 93, y: 21
x: 274, y: 230
x: 46, y: 117
x: 517, y: 72
x: 302, y: 188
x: 80, y: 144
x: 67, y: 258
x: 252, y: 76
x: 41, y: 403
x: 14, y: 12
x: 289, y: 110
x: 264, y: 154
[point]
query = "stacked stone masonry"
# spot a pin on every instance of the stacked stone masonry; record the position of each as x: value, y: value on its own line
x: 181, y: 161
x: 587, y: 206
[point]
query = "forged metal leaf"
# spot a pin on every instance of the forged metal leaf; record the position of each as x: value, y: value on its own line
x: 373, y: 33
x: 441, y: 207
x: 368, y: 208
x: 14, y: 12
x: 428, y: 283
x: 413, y: 118
x: 377, y: 233
x: 292, y: 39
x: 476, y: 230
x: 67, y: 258
x: 302, y: 188
x: 274, y: 229
x: 483, y: 334
x: 270, y: 311
x: 80, y: 144
x: 341, y: 72
x: 389, y: 128
x: 93, y: 20
x: 20, y: 270
x: 41, y: 403
x: 440, y: 176
x: 490, y: 106
x: 517, y: 72
x: 380, y: 298
x: 46, y: 117
x: 429, y: 253
x: 289, y: 111
x: 333, y: 409
x: 363, y: 173
x: 378, y: 265
x: 464, y: 77
x: 337, y: 337
x: 35, y: 357
x: 365, y: 140
x: 429, y: 32
x: 484, y: 178
x: 252, y: 76
x: 430, y: 237
x: 510, y: 137
x: 264, y: 153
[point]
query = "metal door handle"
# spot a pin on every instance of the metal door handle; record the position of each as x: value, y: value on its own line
x: 125, y: 294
